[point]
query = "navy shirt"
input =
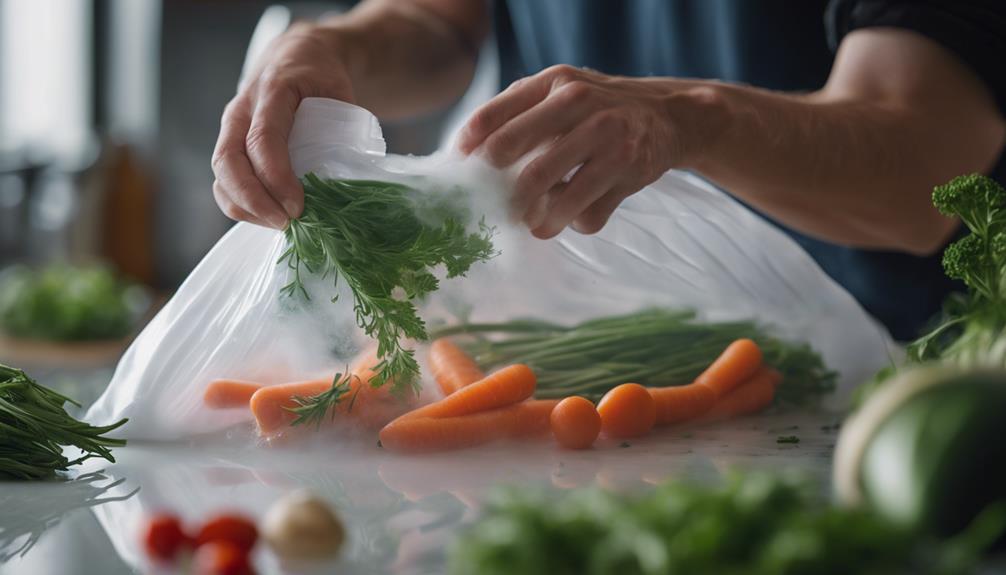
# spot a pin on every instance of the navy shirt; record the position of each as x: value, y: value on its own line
x: 775, y: 44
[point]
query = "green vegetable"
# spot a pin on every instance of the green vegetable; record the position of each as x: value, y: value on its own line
x: 383, y: 240
x: 787, y: 439
x: 971, y: 331
x: 67, y: 303
x: 34, y: 428
x: 755, y: 524
x: 926, y: 450
x: 653, y: 347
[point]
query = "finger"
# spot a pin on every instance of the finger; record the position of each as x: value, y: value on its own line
x: 594, y: 179
x: 268, y: 150
x: 230, y: 209
x: 234, y: 172
x: 549, y: 169
x: 596, y: 216
x: 555, y: 115
x: 520, y: 96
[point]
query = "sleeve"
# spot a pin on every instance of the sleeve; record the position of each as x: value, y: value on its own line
x: 975, y: 30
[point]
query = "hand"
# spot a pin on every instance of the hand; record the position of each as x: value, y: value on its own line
x: 621, y: 133
x: 254, y: 179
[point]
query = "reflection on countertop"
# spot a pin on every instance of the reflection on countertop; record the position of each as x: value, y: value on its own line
x: 401, y: 512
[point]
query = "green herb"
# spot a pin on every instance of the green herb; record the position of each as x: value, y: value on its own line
x: 68, y: 303
x: 34, y: 427
x: 787, y: 439
x: 654, y: 347
x: 755, y: 524
x: 383, y: 240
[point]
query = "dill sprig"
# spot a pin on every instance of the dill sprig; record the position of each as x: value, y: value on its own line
x: 383, y: 240
x: 34, y: 427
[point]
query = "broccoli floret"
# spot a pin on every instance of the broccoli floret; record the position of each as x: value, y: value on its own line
x: 978, y: 200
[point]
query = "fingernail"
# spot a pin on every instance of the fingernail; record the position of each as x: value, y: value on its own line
x: 278, y: 222
x: 292, y: 208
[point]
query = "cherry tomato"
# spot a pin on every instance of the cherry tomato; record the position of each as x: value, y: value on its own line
x: 221, y: 558
x: 164, y: 537
x: 230, y: 528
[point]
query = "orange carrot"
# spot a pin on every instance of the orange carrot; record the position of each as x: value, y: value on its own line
x: 507, y: 386
x: 271, y: 405
x: 373, y: 407
x: 738, y: 363
x: 418, y: 434
x: 750, y: 397
x: 452, y: 368
x: 627, y: 411
x: 228, y: 393
x: 575, y: 423
x: 683, y: 402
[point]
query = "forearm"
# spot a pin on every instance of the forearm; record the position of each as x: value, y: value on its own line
x: 854, y: 163
x: 403, y: 58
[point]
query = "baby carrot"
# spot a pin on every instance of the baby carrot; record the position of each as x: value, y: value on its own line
x: 452, y: 368
x: 419, y: 434
x: 627, y: 411
x: 575, y: 423
x: 738, y: 362
x: 228, y: 393
x: 371, y: 406
x: 507, y: 386
x: 750, y: 397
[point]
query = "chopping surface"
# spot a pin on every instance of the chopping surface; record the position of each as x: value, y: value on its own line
x: 401, y: 512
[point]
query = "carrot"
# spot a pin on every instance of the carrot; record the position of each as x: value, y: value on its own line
x: 627, y: 411
x: 271, y: 405
x: 680, y: 403
x: 507, y: 386
x: 738, y: 363
x: 750, y: 397
x: 422, y: 434
x: 227, y: 393
x: 373, y: 407
x: 575, y: 423
x: 452, y: 368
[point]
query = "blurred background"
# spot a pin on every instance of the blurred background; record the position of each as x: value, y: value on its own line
x: 109, y: 112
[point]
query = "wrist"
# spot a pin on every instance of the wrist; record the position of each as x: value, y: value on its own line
x: 698, y: 115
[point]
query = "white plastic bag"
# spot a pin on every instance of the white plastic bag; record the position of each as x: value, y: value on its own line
x: 679, y: 243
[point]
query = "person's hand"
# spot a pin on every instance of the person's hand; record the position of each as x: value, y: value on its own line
x: 623, y: 133
x: 251, y: 163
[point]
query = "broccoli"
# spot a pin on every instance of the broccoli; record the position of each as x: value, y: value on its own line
x: 973, y: 326
x: 979, y: 258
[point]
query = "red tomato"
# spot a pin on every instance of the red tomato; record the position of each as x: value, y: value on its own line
x: 164, y: 537
x: 235, y: 529
x: 221, y: 558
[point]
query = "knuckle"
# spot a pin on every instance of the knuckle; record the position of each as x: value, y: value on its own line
x: 561, y: 72
x: 573, y: 91
x: 221, y: 157
x: 258, y: 138
x: 481, y: 120
x: 627, y: 149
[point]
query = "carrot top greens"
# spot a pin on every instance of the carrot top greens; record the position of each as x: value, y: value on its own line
x: 383, y: 240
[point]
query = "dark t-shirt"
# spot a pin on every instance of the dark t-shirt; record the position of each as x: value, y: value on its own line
x: 775, y: 44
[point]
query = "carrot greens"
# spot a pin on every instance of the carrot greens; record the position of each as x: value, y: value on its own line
x: 383, y: 240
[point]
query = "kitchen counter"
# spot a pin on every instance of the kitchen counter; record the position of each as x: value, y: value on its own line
x: 401, y: 512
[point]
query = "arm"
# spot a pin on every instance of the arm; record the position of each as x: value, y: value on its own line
x: 853, y: 163
x: 394, y: 57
